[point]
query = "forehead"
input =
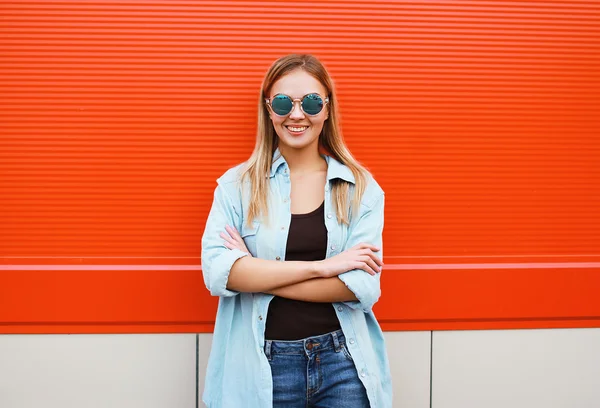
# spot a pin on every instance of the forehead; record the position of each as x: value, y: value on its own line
x: 297, y: 84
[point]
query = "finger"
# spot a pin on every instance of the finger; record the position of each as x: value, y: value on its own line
x: 234, y: 233
x: 363, y: 265
x: 228, y: 239
x: 228, y: 245
x: 235, y: 236
x: 373, y: 265
x: 376, y: 259
x: 368, y: 269
x: 364, y: 245
x: 225, y: 236
x: 369, y: 253
x: 367, y: 260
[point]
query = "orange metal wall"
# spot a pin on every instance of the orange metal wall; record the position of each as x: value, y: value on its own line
x: 480, y: 120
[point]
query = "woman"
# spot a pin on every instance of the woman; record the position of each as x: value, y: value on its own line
x: 292, y: 247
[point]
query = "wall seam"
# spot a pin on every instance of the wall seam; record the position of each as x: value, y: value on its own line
x: 431, y: 370
x: 197, y: 369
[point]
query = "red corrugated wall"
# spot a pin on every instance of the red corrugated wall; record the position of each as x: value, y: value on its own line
x: 479, y: 119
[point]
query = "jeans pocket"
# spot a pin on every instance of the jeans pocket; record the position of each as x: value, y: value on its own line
x: 346, y: 352
x: 268, y: 352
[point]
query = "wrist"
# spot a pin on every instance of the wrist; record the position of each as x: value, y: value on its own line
x: 316, y: 269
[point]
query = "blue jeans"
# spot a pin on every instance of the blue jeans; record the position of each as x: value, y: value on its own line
x: 314, y: 372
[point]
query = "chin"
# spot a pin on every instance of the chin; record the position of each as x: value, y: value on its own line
x: 297, y: 142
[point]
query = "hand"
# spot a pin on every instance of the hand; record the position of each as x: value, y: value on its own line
x: 233, y: 239
x: 360, y: 256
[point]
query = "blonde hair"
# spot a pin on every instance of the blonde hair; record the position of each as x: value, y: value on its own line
x: 258, y: 167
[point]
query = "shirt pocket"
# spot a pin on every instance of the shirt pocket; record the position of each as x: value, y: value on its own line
x: 248, y: 234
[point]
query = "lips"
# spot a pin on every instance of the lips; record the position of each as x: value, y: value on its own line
x: 296, y: 128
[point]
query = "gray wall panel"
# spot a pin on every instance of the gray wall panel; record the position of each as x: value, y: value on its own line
x: 98, y: 371
x: 516, y: 369
x: 409, y: 354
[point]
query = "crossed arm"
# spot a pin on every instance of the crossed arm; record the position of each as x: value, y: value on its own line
x: 305, y: 280
x: 317, y: 290
x: 290, y: 279
x: 351, y: 276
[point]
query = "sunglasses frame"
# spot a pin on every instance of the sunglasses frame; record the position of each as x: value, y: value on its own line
x: 269, y: 100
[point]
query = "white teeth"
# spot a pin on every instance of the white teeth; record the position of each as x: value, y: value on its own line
x: 297, y: 129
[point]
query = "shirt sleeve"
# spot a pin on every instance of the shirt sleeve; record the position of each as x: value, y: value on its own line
x: 217, y: 260
x: 368, y: 229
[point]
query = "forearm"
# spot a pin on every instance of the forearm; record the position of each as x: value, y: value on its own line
x: 250, y: 274
x: 316, y: 290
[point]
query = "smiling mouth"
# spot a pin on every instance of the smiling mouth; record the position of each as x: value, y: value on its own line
x: 297, y: 129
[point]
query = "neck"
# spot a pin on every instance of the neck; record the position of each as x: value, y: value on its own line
x: 302, y: 161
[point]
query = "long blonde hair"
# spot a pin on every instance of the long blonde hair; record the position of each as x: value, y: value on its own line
x: 330, y: 140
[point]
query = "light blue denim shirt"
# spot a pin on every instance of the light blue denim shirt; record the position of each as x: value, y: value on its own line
x: 238, y: 373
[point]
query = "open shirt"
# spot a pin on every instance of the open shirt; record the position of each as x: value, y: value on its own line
x: 238, y: 373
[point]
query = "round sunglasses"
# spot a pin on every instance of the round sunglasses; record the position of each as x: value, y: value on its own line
x: 311, y: 104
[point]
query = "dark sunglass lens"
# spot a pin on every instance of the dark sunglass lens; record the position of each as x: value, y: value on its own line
x: 281, y: 104
x: 312, y: 104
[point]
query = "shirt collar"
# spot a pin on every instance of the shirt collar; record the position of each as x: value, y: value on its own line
x: 335, y: 169
x: 277, y: 161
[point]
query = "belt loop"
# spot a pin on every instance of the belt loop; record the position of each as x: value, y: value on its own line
x: 336, y: 342
x: 268, y: 349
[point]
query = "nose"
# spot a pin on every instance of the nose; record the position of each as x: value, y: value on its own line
x: 296, y: 112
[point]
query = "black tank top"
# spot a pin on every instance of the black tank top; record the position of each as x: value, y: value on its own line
x: 289, y: 319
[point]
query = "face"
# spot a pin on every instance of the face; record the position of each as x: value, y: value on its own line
x: 298, y: 130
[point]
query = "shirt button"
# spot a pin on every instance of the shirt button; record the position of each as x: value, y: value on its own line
x: 351, y: 341
x: 278, y: 258
x: 285, y: 200
x: 285, y: 171
x: 363, y: 373
x: 329, y: 215
x: 259, y: 317
x: 333, y: 247
x: 340, y: 309
x: 283, y: 228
